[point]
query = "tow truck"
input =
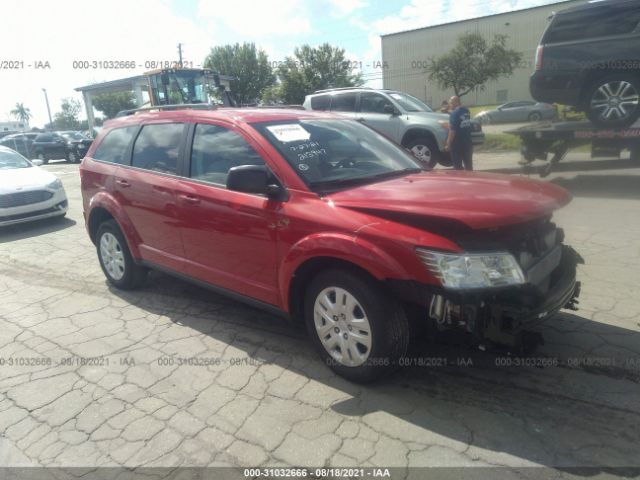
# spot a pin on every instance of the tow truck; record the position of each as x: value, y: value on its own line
x: 550, y: 141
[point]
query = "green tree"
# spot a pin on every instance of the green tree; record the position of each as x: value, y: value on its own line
x: 21, y: 113
x: 315, y: 68
x: 272, y: 95
x: 248, y: 65
x: 112, y: 103
x: 472, y: 62
x: 67, y: 117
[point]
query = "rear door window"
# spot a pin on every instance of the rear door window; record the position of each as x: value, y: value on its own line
x: 115, y: 145
x: 157, y: 147
x: 600, y: 21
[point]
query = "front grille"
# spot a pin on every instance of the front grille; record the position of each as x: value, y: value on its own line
x: 19, y: 199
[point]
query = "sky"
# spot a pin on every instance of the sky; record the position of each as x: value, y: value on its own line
x: 45, y: 38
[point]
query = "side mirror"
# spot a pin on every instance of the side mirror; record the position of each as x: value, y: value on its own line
x: 255, y: 179
x: 391, y: 110
x: 37, y: 162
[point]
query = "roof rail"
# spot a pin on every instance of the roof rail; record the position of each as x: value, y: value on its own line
x: 183, y: 106
x: 342, y: 88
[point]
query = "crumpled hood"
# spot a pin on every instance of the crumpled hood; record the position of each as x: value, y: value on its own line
x: 24, y: 178
x: 477, y: 200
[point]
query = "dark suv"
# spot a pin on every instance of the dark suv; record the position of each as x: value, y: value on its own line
x: 589, y: 58
x: 321, y: 219
x: 70, y: 145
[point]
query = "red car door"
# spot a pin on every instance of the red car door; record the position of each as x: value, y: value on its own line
x: 229, y: 237
x: 147, y: 192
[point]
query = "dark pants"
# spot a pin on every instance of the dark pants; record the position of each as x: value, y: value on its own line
x: 462, y: 156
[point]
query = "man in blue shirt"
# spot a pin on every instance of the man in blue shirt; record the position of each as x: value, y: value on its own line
x: 459, y: 140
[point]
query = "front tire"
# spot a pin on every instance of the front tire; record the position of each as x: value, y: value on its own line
x: 115, y: 258
x: 72, y: 157
x: 614, y: 101
x: 42, y: 157
x: 535, y: 117
x: 359, y: 330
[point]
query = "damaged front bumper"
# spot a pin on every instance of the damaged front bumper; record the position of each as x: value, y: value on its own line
x: 501, y: 316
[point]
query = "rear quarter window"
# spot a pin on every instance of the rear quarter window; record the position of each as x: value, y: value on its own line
x: 114, y: 145
x: 321, y: 102
x: 157, y: 147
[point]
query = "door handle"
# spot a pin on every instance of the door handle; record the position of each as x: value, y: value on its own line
x: 123, y: 183
x: 190, y: 199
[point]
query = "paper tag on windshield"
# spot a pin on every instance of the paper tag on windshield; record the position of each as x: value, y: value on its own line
x: 289, y: 133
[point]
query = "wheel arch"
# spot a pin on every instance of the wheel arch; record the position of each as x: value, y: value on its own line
x: 102, y: 208
x: 415, y: 133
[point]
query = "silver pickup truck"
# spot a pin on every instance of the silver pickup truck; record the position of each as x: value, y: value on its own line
x: 403, y: 118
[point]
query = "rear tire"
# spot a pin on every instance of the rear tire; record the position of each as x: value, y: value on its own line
x: 42, y: 157
x: 115, y: 258
x: 363, y: 332
x: 426, y: 151
x: 535, y: 117
x: 614, y: 101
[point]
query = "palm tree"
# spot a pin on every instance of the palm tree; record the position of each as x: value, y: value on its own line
x: 21, y: 113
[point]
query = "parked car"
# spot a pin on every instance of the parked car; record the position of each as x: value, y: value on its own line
x: 49, y: 146
x: 589, y: 58
x: 322, y: 220
x: 28, y: 192
x: 20, y: 142
x: 523, y: 111
x: 77, y: 145
x: 401, y: 117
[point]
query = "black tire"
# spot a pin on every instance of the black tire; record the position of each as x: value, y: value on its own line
x: 387, y: 321
x: 42, y: 156
x: 535, y: 117
x: 596, y: 94
x: 72, y: 157
x: 429, y: 144
x: 133, y: 275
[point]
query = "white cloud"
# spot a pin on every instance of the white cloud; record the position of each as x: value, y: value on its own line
x: 257, y: 19
x: 121, y: 30
x: 342, y: 8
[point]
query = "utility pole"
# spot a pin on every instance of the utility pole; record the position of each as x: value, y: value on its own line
x: 180, y: 53
x: 46, y: 99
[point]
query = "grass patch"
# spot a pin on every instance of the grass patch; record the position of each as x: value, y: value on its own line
x: 500, y: 141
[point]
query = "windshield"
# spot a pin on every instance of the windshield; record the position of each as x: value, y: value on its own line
x: 331, y: 154
x: 409, y: 103
x: 10, y: 160
x: 74, y: 136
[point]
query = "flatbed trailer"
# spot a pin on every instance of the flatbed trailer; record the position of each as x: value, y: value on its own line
x: 550, y: 141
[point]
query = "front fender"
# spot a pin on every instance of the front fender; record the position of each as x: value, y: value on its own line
x: 106, y: 201
x: 346, y: 247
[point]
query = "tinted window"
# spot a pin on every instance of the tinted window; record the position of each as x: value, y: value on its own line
x: 373, y: 103
x: 345, y: 102
x: 321, y: 102
x: 596, y: 22
x: 216, y: 150
x: 157, y: 147
x: 44, y: 138
x: 114, y: 146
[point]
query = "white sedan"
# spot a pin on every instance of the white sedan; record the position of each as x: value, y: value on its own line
x: 28, y: 192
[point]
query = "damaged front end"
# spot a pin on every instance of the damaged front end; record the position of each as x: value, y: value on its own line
x: 532, y: 278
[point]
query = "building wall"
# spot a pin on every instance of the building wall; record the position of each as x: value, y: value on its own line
x: 407, y: 53
x: 13, y: 126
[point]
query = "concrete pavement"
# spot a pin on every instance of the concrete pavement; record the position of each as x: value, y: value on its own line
x: 173, y: 375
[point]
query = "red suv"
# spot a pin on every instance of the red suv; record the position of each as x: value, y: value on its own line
x: 321, y: 219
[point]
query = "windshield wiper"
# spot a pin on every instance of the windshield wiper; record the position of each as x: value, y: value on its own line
x: 368, y: 179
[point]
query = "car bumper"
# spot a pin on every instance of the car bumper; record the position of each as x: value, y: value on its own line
x: 555, y: 88
x: 500, y: 315
x: 55, y: 206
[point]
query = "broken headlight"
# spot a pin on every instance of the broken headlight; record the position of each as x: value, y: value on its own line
x: 472, y: 270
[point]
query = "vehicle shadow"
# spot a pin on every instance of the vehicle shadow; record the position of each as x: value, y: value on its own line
x: 560, y: 409
x: 602, y: 186
x: 21, y: 231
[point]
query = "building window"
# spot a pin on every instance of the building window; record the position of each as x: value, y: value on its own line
x: 502, y: 96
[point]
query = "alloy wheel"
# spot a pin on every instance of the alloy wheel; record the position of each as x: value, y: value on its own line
x: 422, y: 153
x: 342, y: 326
x: 112, y: 256
x: 615, y: 100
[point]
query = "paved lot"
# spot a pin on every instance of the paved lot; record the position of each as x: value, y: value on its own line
x: 265, y: 398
